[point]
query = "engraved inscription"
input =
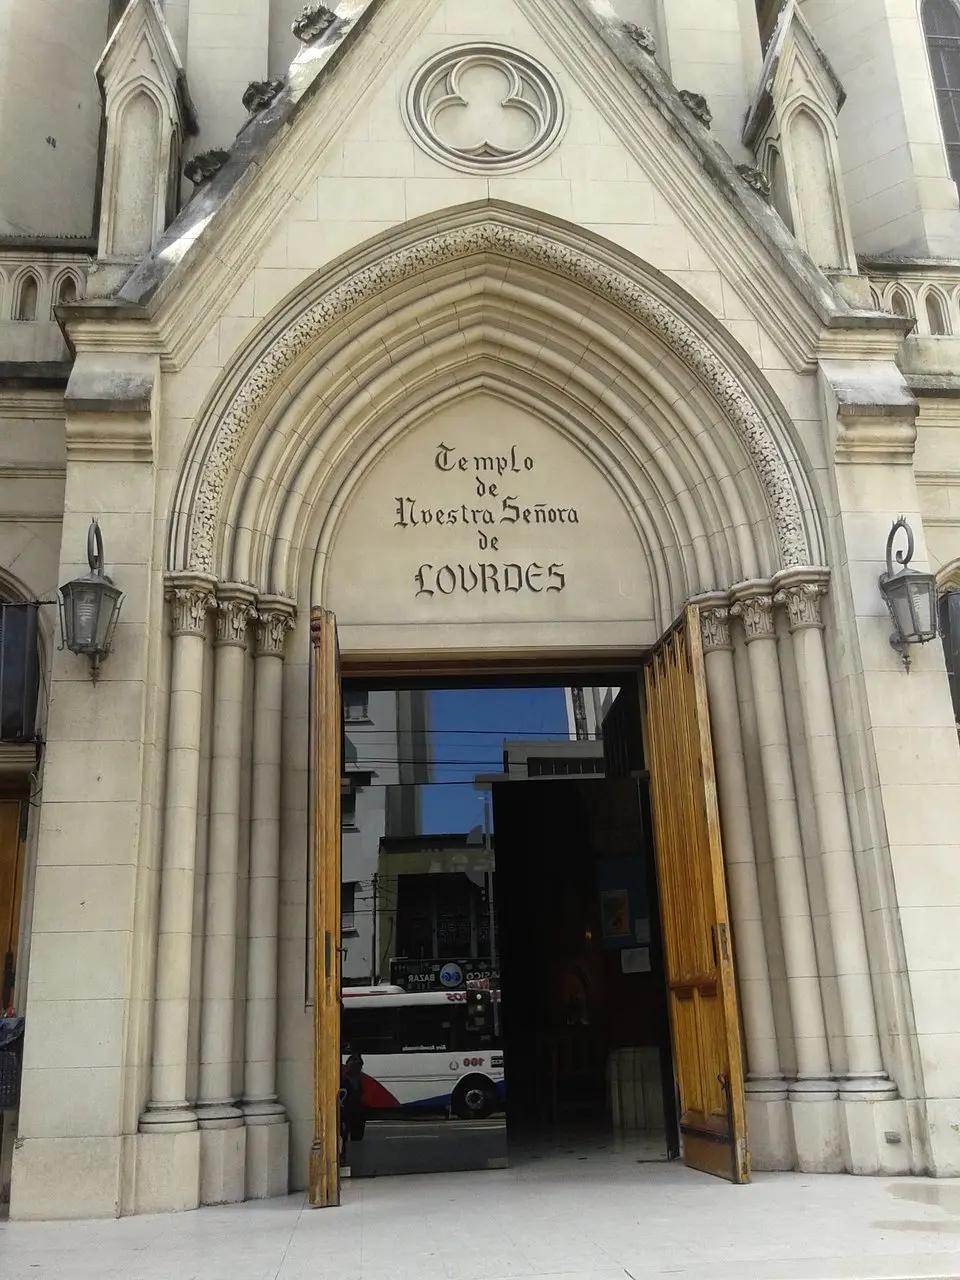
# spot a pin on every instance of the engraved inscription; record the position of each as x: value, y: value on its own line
x: 497, y: 500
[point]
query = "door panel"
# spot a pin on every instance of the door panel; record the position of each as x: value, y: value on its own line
x: 327, y: 750
x: 700, y: 980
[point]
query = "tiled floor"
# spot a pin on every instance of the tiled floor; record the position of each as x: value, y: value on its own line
x: 568, y: 1216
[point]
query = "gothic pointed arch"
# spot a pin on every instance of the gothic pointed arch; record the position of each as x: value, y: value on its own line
x: 649, y: 388
x: 26, y: 296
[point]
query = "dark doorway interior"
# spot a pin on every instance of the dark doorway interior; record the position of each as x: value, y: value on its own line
x: 503, y: 983
x: 584, y: 1010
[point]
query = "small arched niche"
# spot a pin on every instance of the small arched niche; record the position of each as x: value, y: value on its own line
x: 900, y: 304
x: 65, y: 290
x: 136, y: 149
x: 815, y: 182
x: 27, y: 297
x: 779, y: 190
x: 936, y: 312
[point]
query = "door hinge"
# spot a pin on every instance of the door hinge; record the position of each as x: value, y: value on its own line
x: 724, y: 950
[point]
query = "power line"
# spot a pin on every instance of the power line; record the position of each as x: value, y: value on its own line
x: 558, y: 735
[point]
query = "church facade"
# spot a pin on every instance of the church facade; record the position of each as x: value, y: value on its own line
x: 497, y: 333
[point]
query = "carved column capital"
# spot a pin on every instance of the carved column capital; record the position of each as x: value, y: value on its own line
x: 754, y: 606
x: 802, y: 602
x: 275, y: 618
x: 715, y: 627
x: 236, y: 609
x: 191, y: 599
x: 800, y: 591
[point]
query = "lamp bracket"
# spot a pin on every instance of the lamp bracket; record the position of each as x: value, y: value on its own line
x: 95, y: 548
x: 903, y: 556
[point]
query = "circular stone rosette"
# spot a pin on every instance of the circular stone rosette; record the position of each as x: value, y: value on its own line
x: 485, y: 108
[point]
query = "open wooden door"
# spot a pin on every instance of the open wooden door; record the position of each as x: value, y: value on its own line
x: 327, y: 752
x: 702, y: 994
x: 11, y: 878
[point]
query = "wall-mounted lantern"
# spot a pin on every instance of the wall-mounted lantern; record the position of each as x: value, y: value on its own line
x: 90, y: 606
x: 910, y: 596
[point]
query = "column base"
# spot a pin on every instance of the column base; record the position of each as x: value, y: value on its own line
x: 815, y: 1121
x: 876, y: 1136
x: 935, y: 1120
x: 768, y: 1127
x: 268, y: 1155
x: 66, y: 1178
x: 166, y: 1120
x: 167, y: 1171
x: 223, y: 1155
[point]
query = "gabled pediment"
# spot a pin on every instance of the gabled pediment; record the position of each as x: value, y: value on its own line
x: 142, y: 48
x: 362, y: 63
x: 792, y: 128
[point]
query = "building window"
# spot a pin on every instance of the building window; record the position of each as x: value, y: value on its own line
x: 564, y: 766
x: 348, y: 810
x: 356, y: 705
x: 348, y: 906
x: 941, y: 24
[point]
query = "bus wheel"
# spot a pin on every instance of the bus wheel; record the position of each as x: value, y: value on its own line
x: 474, y: 1099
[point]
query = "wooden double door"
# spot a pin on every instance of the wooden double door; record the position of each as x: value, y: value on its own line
x: 697, y: 941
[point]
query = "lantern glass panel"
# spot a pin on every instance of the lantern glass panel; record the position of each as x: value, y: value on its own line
x: 899, y: 601
x: 922, y: 593
x: 86, y: 617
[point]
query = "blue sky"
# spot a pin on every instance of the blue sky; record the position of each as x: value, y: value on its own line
x: 468, y: 727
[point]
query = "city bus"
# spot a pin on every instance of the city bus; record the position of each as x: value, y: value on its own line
x: 429, y: 1052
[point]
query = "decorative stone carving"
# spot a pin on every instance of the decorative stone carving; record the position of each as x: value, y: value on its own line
x: 715, y: 628
x: 275, y: 619
x: 191, y: 599
x: 205, y: 165
x: 484, y: 108
x: 697, y: 104
x: 642, y: 37
x: 756, y: 614
x: 147, y: 113
x: 802, y: 601
x: 235, y: 611
x: 756, y: 179
x: 506, y: 240
x: 313, y: 21
x: 260, y: 94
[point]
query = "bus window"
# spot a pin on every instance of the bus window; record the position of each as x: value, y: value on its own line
x: 426, y: 1029
x: 370, y: 1031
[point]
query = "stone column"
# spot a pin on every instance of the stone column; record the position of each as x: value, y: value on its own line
x: 222, y: 1134
x: 268, y: 1133
x: 168, y: 1153
x: 864, y: 1079
x: 815, y: 1122
x: 770, y: 1141
x: 864, y: 1072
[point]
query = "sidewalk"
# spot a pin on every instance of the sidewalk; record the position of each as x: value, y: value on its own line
x: 567, y: 1218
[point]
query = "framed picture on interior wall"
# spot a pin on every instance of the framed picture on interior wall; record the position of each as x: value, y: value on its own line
x: 615, y: 914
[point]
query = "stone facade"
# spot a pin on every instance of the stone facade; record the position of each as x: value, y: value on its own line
x: 705, y: 286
